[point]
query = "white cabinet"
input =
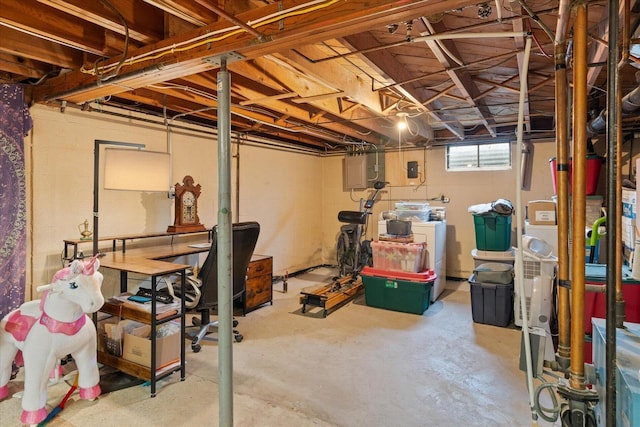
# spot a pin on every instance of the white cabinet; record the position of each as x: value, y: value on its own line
x: 434, y: 233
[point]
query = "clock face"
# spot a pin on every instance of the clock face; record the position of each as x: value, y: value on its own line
x: 188, y: 199
x: 188, y: 208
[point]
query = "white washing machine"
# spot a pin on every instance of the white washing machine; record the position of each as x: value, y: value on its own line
x: 434, y: 234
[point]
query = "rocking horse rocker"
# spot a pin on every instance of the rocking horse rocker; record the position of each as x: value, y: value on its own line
x: 41, y: 332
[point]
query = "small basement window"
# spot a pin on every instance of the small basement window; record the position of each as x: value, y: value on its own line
x: 478, y: 157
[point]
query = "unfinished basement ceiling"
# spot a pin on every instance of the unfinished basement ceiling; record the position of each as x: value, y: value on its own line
x: 322, y: 75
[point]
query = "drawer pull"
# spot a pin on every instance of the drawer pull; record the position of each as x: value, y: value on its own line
x: 259, y: 269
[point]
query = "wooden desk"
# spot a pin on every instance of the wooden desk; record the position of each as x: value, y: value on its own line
x: 137, y: 264
x: 73, y: 243
x: 149, y: 261
x: 258, y: 290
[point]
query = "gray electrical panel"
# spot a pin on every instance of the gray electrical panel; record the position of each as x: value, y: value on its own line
x: 355, y: 172
x: 361, y: 170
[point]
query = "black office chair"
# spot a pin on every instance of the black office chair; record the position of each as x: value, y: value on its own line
x: 245, y: 237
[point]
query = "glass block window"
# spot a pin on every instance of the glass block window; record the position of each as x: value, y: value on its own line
x: 479, y: 157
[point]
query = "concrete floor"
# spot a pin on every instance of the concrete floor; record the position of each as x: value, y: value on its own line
x: 359, y: 366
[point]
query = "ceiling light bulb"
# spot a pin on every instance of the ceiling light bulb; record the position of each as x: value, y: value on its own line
x: 402, y: 125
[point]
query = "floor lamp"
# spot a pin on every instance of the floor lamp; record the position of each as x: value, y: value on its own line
x: 129, y: 168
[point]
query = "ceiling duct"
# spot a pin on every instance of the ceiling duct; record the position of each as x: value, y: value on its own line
x: 630, y: 103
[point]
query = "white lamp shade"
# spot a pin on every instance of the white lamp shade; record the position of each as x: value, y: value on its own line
x: 138, y: 170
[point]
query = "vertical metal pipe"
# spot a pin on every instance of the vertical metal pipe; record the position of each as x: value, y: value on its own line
x: 225, y: 250
x: 96, y: 188
x: 562, y: 181
x: 616, y: 215
x: 576, y: 378
x: 614, y: 193
x: 519, y: 266
x: 237, y: 200
x: 626, y: 28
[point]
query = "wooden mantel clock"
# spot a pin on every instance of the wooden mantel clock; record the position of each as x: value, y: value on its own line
x: 186, y: 206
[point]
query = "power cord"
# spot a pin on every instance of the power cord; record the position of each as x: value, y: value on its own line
x: 547, y: 414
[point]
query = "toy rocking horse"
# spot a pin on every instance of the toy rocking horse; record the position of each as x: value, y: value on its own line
x: 49, y: 329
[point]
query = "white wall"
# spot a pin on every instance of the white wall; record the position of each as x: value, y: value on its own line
x: 279, y: 189
x: 294, y: 196
x: 463, y: 189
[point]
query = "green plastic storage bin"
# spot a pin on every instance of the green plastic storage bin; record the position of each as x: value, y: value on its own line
x: 397, y: 290
x: 493, y: 231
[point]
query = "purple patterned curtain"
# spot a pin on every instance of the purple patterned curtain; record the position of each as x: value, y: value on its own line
x: 15, y: 123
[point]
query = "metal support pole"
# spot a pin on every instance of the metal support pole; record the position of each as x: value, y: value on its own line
x: 576, y: 379
x: 562, y: 180
x: 613, y: 172
x: 519, y: 255
x: 616, y: 215
x: 225, y: 250
x: 578, y: 411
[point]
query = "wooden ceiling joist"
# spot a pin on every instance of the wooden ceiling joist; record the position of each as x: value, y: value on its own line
x: 310, y: 88
x: 309, y: 99
x: 26, y: 46
x: 31, y: 17
x: 145, y: 23
x: 318, y: 73
x: 442, y: 49
x: 266, y: 99
x: 18, y: 66
x: 382, y: 61
x: 315, y: 25
x: 188, y: 11
x: 438, y: 95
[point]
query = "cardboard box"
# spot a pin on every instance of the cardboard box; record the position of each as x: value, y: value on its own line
x: 593, y: 209
x: 629, y: 234
x: 629, y: 226
x: 629, y: 209
x: 107, y: 339
x: 541, y: 212
x: 137, y: 347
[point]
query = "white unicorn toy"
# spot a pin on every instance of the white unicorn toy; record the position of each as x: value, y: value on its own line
x: 41, y: 332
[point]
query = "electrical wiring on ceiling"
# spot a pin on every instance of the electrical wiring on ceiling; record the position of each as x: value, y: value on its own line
x: 535, y: 39
x: 289, y: 125
x: 102, y: 76
x: 208, y: 39
x: 351, y: 107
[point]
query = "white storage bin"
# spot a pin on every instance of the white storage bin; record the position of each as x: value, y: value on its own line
x: 504, y: 257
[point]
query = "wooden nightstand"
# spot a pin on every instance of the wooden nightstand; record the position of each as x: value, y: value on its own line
x: 259, y: 288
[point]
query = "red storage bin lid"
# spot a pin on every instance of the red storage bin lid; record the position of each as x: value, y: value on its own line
x: 423, y: 276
